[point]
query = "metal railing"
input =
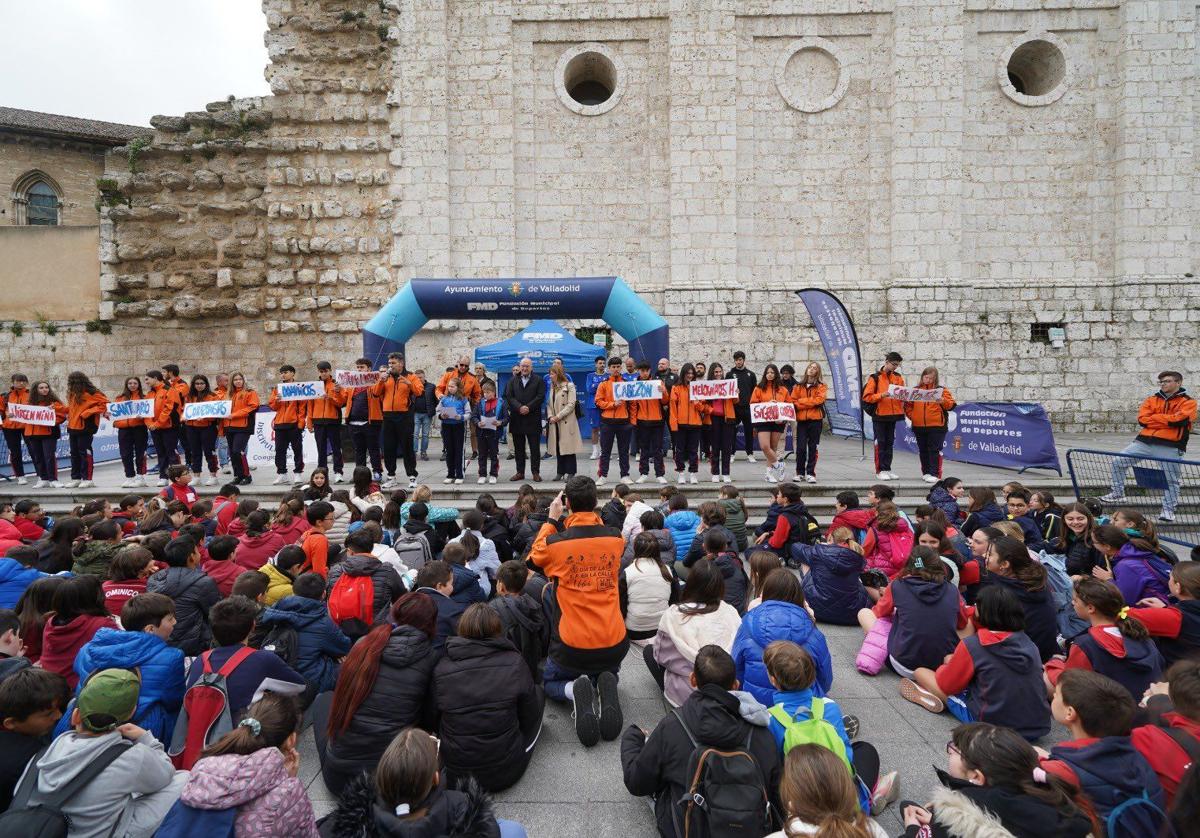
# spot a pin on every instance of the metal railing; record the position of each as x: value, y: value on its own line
x: 1154, y: 486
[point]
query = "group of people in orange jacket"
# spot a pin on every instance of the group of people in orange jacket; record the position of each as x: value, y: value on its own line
x: 929, y: 418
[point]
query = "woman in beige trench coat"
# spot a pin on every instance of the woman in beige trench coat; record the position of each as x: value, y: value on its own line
x: 562, y: 428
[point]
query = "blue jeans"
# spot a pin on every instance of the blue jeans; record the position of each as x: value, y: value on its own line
x: 421, y: 423
x: 510, y: 829
x: 1138, y: 450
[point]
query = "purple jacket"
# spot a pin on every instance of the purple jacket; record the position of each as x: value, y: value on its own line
x: 1140, y: 574
x: 270, y: 804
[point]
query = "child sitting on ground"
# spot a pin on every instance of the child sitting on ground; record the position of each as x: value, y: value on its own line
x: 1175, y: 628
x: 320, y: 645
x: 716, y: 550
x: 31, y: 702
x: 793, y: 674
x: 832, y: 587
x: 1169, y: 744
x: 647, y: 588
x: 220, y: 566
x: 1116, y: 644
x: 280, y: 571
x: 127, y: 575
x: 762, y: 562
x: 468, y: 587
x: 993, y: 676
x: 524, y: 620
x: 1099, y: 759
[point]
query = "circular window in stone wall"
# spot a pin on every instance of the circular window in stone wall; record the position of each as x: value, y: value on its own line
x: 811, y: 75
x: 589, y: 79
x: 1034, y: 70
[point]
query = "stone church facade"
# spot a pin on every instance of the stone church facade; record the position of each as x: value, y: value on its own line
x: 969, y: 176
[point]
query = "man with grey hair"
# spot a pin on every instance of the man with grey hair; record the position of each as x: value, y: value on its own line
x: 524, y: 395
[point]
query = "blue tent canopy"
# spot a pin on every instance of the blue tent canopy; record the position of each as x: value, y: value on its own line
x: 542, y: 341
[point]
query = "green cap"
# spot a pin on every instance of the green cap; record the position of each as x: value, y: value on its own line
x: 108, y: 698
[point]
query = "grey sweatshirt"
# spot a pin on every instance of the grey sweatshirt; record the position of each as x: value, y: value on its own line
x: 142, y: 769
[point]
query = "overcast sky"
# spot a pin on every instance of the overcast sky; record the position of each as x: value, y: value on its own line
x: 126, y: 60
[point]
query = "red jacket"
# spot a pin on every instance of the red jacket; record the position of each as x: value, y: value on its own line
x: 29, y: 530
x: 224, y: 574
x: 1168, y: 760
x: 184, y: 494
x: 224, y: 510
x: 60, y: 644
x: 292, y: 532
x: 116, y: 594
x: 253, y: 551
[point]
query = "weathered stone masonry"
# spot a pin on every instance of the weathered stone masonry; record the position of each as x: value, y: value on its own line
x: 750, y: 147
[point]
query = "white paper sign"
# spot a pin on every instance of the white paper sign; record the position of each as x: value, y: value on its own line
x: 32, y: 414
x: 772, y: 412
x: 723, y: 388
x: 131, y: 409
x: 354, y: 378
x: 912, y: 394
x: 298, y: 391
x: 627, y: 391
x: 207, y: 410
x: 449, y: 411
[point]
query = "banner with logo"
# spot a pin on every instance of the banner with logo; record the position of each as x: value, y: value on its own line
x: 260, y: 451
x: 627, y: 391
x: 193, y: 411
x: 1014, y: 435
x: 720, y: 388
x: 838, y: 338
x: 761, y: 412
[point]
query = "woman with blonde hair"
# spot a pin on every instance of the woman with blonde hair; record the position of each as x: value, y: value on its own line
x: 563, y: 438
x: 930, y: 423
x: 809, y: 398
x: 819, y: 798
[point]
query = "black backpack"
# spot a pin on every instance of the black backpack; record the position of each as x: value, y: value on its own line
x: 869, y: 408
x: 725, y: 796
x: 46, y: 819
x: 283, y: 640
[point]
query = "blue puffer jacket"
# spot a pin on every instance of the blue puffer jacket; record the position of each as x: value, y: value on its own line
x: 831, y: 586
x: 984, y: 517
x: 771, y: 621
x: 161, y: 667
x: 941, y: 499
x: 14, y: 579
x: 319, y: 642
x: 682, y: 526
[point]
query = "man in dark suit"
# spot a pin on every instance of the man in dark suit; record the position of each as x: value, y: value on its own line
x: 524, y: 395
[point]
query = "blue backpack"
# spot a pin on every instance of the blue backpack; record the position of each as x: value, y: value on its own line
x: 1133, y: 817
x: 184, y: 821
x: 1062, y: 589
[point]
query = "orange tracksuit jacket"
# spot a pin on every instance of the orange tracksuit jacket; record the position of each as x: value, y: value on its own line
x: 875, y: 392
x: 60, y: 412
x: 82, y: 409
x: 203, y: 423
x: 649, y: 411
x: 1167, y: 421
x: 241, y: 412
x: 610, y: 409
x: 931, y: 415
x: 327, y: 410
x: 396, y: 394
x: 13, y: 397
x: 167, y: 405
x: 686, y: 412
x: 468, y: 386
x: 809, y: 401
x: 130, y: 423
x: 287, y: 414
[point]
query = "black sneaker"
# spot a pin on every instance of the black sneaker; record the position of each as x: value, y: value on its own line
x: 610, y: 707
x: 587, y: 726
x: 851, y: 723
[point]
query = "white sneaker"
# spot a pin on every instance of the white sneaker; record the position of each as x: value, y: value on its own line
x: 162, y: 482
x: 130, y: 483
x: 143, y: 481
x: 810, y: 478
x: 726, y: 479
x: 770, y: 475
x: 595, y: 453
x: 339, y: 478
x: 663, y: 480
x: 601, y: 480
x: 412, y: 482
x: 491, y: 479
x: 693, y: 479
x: 481, y: 480
x: 881, y: 475
x: 54, y: 484
x: 893, y: 476
x: 280, y: 479
x: 458, y: 480
x: 929, y: 478
x: 70, y: 484
x: 716, y: 478
x: 41, y: 484
x: 211, y: 480
x: 642, y: 478
x: 448, y: 480
x: 87, y: 484
x: 390, y: 483
x: 21, y: 481
x: 1113, y: 497
x: 297, y: 478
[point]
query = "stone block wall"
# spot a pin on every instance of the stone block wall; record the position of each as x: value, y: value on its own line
x: 878, y: 148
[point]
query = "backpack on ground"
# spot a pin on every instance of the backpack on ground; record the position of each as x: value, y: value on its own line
x: 351, y: 603
x: 814, y: 730
x: 726, y: 795
x: 413, y: 549
x: 46, y: 818
x: 183, y: 821
x: 205, y: 716
x: 284, y: 641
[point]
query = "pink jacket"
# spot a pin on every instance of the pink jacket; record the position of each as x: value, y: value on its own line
x: 888, y: 550
x: 253, y: 551
x: 270, y: 804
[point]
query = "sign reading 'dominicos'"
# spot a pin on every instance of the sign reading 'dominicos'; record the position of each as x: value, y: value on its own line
x: 628, y: 391
x: 772, y: 412
x: 912, y: 394
x: 131, y: 409
x: 32, y: 414
x: 207, y: 410
x: 298, y: 391
x: 354, y: 378
x: 722, y: 388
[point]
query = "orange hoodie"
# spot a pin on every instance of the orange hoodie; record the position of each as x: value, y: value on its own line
x: 292, y: 413
x: 327, y: 410
x: 610, y: 408
x: 930, y: 414
x: 241, y: 414
x: 13, y: 397
x: 167, y: 405
x: 80, y: 410
x: 809, y: 401
x: 875, y: 392
x: 396, y: 393
x: 60, y: 412
x: 684, y: 411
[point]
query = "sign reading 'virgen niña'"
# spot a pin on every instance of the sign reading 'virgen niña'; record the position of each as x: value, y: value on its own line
x: 761, y: 412
x: 721, y: 388
x: 627, y: 391
x: 32, y: 414
x: 298, y: 391
x: 193, y: 411
x: 131, y: 409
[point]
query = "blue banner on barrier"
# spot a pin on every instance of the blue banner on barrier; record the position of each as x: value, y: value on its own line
x: 104, y: 449
x: 836, y: 330
x: 1003, y: 434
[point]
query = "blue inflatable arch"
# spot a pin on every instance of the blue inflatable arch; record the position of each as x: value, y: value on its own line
x: 605, y: 298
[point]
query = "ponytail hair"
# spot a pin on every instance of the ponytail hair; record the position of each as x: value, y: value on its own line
x: 1031, y: 574
x: 1009, y: 762
x: 844, y: 537
x: 357, y: 678
x: 817, y: 789
x: 1106, y: 598
x: 946, y: 483
x: 267, y: 723
x: 645, y: 546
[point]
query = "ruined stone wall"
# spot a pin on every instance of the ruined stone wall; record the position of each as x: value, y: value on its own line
x: 879, y: 148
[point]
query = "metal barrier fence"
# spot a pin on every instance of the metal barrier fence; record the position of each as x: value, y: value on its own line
x: 1165, y: 490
